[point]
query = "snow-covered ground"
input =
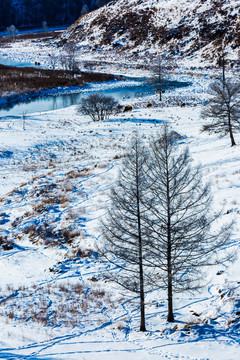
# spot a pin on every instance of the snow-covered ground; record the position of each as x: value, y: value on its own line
x: 56, y: 172
x: 32, y: 52
x: 29, y: 52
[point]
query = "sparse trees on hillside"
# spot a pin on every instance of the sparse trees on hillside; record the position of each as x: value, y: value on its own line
x: 180, y: 219
x: 123, y: 232
x: 223, y: 108
x: 97, y: 106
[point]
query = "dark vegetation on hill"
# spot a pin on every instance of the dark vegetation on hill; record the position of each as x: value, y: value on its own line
x: 24, y: 13
x: 32, y: 36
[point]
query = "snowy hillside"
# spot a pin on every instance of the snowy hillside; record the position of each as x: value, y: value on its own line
x: 145, y: 27
x: 57, y: 169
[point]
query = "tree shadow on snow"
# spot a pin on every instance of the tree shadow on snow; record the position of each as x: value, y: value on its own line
x: 210, y: 332
x: 136, y: 121
x: 12, y: 356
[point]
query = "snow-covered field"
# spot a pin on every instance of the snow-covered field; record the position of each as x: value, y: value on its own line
x: 56, y: 172
x: 28, y: 52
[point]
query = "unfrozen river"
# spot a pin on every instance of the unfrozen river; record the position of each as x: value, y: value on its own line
x: 132, y: 88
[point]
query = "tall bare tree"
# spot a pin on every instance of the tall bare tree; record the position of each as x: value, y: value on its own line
x: 12, y: 31
x: 180, y: 219
x: 53, y: 59
x: 160, y: 69
x: 68, y: 58
x: 123, y: 231
x: 223, y: 108
x: 222, y: 61
x: 44, y: 26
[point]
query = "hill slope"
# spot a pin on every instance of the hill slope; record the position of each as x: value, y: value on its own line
x: 140, y: 27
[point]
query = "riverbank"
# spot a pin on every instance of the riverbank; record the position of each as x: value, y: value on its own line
x: 22, y: 84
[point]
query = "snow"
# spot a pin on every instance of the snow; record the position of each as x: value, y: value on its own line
x: 55, y: 179
x: 164, y: 18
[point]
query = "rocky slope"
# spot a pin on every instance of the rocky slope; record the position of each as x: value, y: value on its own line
x: 185, y: 28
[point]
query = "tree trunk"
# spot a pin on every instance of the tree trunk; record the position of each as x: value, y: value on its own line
x: 141, y: 279
x: 142, y: 302
x: 223, y: 69
x: 170, y: 317
x: 232, y: 138
x: 230, y: 129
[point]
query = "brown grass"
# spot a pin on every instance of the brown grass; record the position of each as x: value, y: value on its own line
x: 78, y: 173
x: 69, y: 303
x: 5, y: 243
x: 4, y: 41
x: 28, y: 80
x: 45, y: 234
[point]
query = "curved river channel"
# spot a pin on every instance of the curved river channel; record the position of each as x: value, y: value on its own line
x: 121, y: 90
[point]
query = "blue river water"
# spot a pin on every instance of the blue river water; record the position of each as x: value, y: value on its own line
x: 134, y: 88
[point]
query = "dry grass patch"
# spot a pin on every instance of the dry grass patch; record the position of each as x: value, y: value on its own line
x: 55, y: 304
x: 78, y: 173
x: 29, y: 80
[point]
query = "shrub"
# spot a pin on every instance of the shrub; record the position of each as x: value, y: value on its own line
x: 97, y: 106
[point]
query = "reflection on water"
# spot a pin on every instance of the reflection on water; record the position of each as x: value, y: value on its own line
x: 40, y: 105
x: 71, y: 99
x: 61, y: 101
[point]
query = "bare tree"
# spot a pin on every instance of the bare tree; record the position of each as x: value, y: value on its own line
x: 222, y: 64
x: 53, y: 59
x: 63, y: 59
x: 160, y: 70
x: 12, y: 31
x: 180, y: 220
x: 97, y: 106
x: 85, y: 10
x: 222, y: 61
x: 223, y: 108
x: 44, y: 26
x: 24, y: 120
x: 70, y: 57
x: 123, y: 232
